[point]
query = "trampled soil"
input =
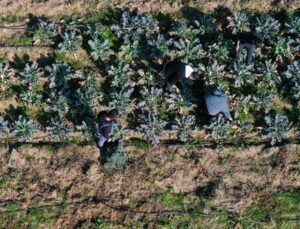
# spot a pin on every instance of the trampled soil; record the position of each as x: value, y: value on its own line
x: 233, y: 179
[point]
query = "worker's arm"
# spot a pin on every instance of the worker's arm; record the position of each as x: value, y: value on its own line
x: 106, y: 131
x: 237, y: 48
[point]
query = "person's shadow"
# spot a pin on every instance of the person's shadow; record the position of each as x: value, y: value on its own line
x: 107, y: 151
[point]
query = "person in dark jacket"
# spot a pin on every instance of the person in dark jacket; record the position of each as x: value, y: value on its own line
x: 106, y: 124
x: 216, y: 102
x: 249, y: 41
x: 176, y: 71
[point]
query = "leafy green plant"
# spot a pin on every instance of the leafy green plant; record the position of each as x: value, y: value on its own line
x: 215, y: 75
x: 271, y: 77
x: 101, y: 49
x: 70, y: 42
x: 205, y: 24
x: 4, y: 76
x: 119, y: 133
x: 152, y: 128
x: 86, y: 130
x: 242, y: 74
x: 121, y: 100
x: 160, y: 46
x: 239, y: 23
x: 84, y: 101
x: 176, y: 101
x: 189, y: 51
x: 120, y: 75
x: 31, y: 74
x: 220, y: 50
x: 277, y: 128
x: 132, y: 27
x: 262, y: 99
x: 184, y: 126
x: 44, y: 30
x: 57, y: 104
x: 182, y: 31
x: 129, y: 52
x: 60, y: 75
x: 268, y: 26
x: 282, y: 48
x: 31, y: 98
x: 219, y: 127
x: 293, y: 73
x: 4, y: 128
x: 151, y: 99
x: 58, y: 129
x: 23, y: 129
x: 117, y: 161
x: 293, y: 25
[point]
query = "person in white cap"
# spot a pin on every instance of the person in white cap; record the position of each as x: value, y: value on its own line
x: 176, y: 71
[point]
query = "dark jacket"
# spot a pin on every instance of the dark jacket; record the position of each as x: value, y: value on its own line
x: 174, y: 71
x: 254, y: 38
x: 105, y: 127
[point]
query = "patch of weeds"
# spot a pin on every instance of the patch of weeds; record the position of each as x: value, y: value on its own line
x: 12, y: 18
x: 170, y: 200
x: 141, y: 144
x: 51, y: 148
x: 78, y: 61
x: 287, y: 203
x: 253, y: 216
x: 19, y: 40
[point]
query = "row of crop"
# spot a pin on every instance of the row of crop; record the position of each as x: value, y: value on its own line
x: 124, y: 52
x: 59, y: 93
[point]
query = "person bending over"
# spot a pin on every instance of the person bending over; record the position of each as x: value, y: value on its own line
x: 105, y: 125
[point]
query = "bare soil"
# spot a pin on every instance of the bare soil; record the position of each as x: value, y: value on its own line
x: 55, y: 9
x: 37, y: 175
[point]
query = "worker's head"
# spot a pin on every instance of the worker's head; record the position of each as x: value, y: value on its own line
x: 112, y: 114
x: 189, y: 73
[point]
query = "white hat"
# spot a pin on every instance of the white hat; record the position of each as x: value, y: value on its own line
x: 188, y: 71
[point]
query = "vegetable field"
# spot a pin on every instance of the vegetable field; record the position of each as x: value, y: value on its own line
x: 59, y: 100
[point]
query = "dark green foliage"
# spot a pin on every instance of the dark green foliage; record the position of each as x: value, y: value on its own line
x: 70, y: 42
x: 100, y: 49
x: 132, y: 27
x: 118, y: 159
x: 242, y: 75
x: 4, y: 129
x: 219, y: 127
x: 31, y: 74
x: 59, y: 129
x: 60, y: 74
x: 184, y: 127
x: 121, y: 100
x: 277, y: 128
x: 268, y: 26
x: 152, y: 128
x: 189, y: 51
x: 30, y: 98
x: 239, y: 23
x: 120, y: 75
x: 23, y: 129
x: 43, y: 31
x: 293, y: 74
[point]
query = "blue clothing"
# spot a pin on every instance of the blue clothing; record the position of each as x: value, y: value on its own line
x: 105, y: 130
x: 250, y: 50
x: 216, y: 102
